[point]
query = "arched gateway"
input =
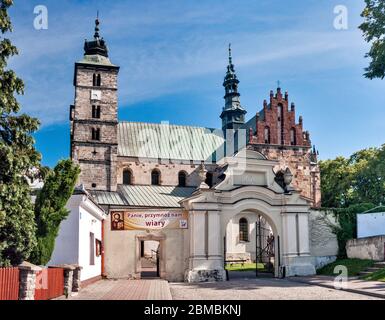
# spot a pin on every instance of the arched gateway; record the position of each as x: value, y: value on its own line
x: 249, y: 186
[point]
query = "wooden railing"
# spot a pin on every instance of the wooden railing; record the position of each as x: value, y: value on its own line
x: 9, y: 283
x: 49, y: 283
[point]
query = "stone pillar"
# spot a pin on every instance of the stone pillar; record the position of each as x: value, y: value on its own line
x: 295, y: 244
x: 27, y: 279
x: 289, y: 237
x: 206, y: 262
x: 76, y: 283
x: 68, y: 277
x: 303, y: 228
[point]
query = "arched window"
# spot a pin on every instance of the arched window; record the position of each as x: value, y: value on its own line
x: 267, y: 135
x: 182, y: 179
x: 155, y: 177
x: 95, y: 134
x: 243, y: 230
x: 209, y: 179
x: 293, y: 138
x: 127, y: 176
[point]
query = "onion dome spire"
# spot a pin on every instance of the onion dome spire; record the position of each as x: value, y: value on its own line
x: 233, y: 115
x: 98, y: 45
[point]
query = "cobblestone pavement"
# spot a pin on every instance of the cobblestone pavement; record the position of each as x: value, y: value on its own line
x: 259, y: 289
x: 125, y: 290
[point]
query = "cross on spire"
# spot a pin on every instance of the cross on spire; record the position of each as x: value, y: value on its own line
x: 97, y: 22
x: 230, y: 58
x: 278, y: 84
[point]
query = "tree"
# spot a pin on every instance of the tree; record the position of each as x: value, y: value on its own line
x: 368, y: 181
x: 50, y: 208
x: 17, y: 157
x: 336, y: 176
x: 354, y: 180
x: 374, y: 33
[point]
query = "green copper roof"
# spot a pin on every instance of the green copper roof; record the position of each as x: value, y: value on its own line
x: 144, y: 196
x: 148, y: 140
x: 96, y: 59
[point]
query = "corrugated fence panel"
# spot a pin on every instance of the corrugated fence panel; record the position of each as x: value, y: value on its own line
x: 9, y: 283
x: 49, y: 284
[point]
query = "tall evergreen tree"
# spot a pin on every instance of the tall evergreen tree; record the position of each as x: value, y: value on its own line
x: 50, y: 208
x: 17, y: 157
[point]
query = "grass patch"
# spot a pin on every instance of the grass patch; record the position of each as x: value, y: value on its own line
x: 354, y: 266
x: 376, y: 276
x: 246, y: 267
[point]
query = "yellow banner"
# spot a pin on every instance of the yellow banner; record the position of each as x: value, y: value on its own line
x: 156, y: 220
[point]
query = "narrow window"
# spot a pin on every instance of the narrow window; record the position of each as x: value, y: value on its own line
x: 92, y: 249
x: 155, y: 177
x: 98, y: 80
x: 94, y: 80
x: 293, y: 138
x: 209, y: 179
x: 95, y: 134
x: 243, y: 230
x: 127, y: 176
x: 95, y: 112
x: 280, y: 125
x: 267, y: 135
x: 182, y: 179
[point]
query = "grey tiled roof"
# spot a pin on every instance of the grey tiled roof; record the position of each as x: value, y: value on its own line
x: 149, y: 140
x: 144, y: 196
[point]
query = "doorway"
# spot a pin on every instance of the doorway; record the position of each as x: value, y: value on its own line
x: 250, y: 247
x: 149, y: 259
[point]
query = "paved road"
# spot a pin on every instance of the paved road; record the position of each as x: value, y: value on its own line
x: 259, y: 289
x: 236, y: 289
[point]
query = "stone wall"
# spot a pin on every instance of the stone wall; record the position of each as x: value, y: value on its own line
x: 323, y: 242
x: 366, y: 248
x: 141, y: 171
x: 97, y: 159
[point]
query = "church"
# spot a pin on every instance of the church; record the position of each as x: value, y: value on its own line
x: 181, y: 202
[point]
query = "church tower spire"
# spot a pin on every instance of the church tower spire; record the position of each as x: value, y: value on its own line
x: 233, y: 115
x: 98, y: 45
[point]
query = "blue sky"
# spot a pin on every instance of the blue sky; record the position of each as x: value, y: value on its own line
x: 173, y: 55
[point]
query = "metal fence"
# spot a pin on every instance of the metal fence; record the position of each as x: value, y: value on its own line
x: 49, y: 283
x: 9, y: 283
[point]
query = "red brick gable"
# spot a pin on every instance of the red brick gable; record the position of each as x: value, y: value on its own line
x: 279, y: 127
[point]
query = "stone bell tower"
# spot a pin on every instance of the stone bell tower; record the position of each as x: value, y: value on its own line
x: 93, y: 117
